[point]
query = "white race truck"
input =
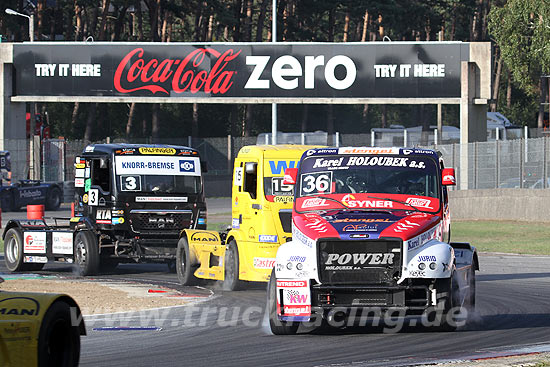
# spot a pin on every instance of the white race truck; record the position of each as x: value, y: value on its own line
x: 370, y: 230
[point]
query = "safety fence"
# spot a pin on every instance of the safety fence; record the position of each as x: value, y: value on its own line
x: 518, y: 163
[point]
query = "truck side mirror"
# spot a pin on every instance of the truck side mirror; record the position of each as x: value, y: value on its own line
x: 448, y: 177
x: 204, y: 166
x: 290, y: 176
x: 250, y: 167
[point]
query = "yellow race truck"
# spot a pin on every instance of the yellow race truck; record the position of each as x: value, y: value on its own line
x: 261, y: 208
x: 39, y: 329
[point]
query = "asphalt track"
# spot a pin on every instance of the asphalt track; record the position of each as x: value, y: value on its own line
x: 229, y: 329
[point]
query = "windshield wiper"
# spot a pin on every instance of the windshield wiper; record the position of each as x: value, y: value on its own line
x: 344, y: 206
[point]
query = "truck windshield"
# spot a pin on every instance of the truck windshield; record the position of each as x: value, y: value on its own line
x: 158, y: 174
x: 403, y: 178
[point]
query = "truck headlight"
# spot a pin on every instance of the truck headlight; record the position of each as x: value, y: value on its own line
x: 433, y: 266
x: 421, y: 266
x: 289, y: 265
x: 299, y: 266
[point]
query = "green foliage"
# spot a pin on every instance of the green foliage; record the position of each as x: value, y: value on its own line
x: 504, y: 236
x: 522, y: 31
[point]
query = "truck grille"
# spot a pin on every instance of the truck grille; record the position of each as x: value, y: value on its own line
x: 145, y: 220
x: 371, y: 262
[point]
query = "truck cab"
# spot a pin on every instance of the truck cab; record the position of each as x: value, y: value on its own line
x: 370, y: 231
x: 261, y: 207
x: 131, y: 203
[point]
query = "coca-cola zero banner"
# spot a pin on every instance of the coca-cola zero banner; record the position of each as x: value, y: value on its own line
x: 311, y: 70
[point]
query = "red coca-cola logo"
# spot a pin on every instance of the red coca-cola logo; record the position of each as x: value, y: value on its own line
x: 151, y: 75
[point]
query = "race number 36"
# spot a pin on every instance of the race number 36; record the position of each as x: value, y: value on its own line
x: 130, y: 183
x: 315, y: 183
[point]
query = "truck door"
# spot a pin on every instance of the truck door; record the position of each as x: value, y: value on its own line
x: 246, y: 203
x: 98, y: 192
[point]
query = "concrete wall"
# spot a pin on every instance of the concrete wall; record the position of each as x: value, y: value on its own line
x: 501, y: 204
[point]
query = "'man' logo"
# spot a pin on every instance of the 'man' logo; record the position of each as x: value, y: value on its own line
x: 279, y: 167
x: 19, y: 306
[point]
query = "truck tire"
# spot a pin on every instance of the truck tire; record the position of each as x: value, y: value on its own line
x: 86, y: 254
x: 53, y: 198
x: 184, y: 268
x: 58, y: 339
x: 13, y: 250
x: 448, y: 294
x: 277, y: 326
x: 6, y: 201
x: 231, y: 280
x: 470, y: 301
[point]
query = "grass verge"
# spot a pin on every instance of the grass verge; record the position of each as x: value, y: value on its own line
x: 504, y: 236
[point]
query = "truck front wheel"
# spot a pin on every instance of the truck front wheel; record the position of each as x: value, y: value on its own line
x: 86, y: 254
x: 13, y: 243
x: 53, y: 198
x: 184, y: 268
x: 277, y: 326
x: 448, y: 296
x: 59, y: 339
x: 231, y: 280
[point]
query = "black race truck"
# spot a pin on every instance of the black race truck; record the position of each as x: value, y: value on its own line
x: 131, y: 203
x: 14, y: 196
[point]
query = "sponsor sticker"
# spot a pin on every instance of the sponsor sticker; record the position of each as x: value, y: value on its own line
x: 235, y: 223
x: 117, y: 220
x: 79, y: 165
x: 279, y: 167
x: 313, y: 202
x: 35, y: 259
x: 204, y: 237
x: 295, y: 298
x: 264, y: 263
x: 157, y: 165
x: 187, y: 165
x: 283, y: 199
x: 170, y: 199
x: 34, y: 242
x: 79, y: 182
x: 350, y: 201
x: 79, y: 172
x: 368, y: 150
x: 360, y: 228
x: 419, y: 202
x: 160, y: 151
x: 300, y: 236
x: 267, y: 238
x: 62, y: 243
x: 103, y: 216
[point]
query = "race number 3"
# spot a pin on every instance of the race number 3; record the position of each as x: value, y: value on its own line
x: 130, y: 183
x: 315, y: 183
x: 93, y: 197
